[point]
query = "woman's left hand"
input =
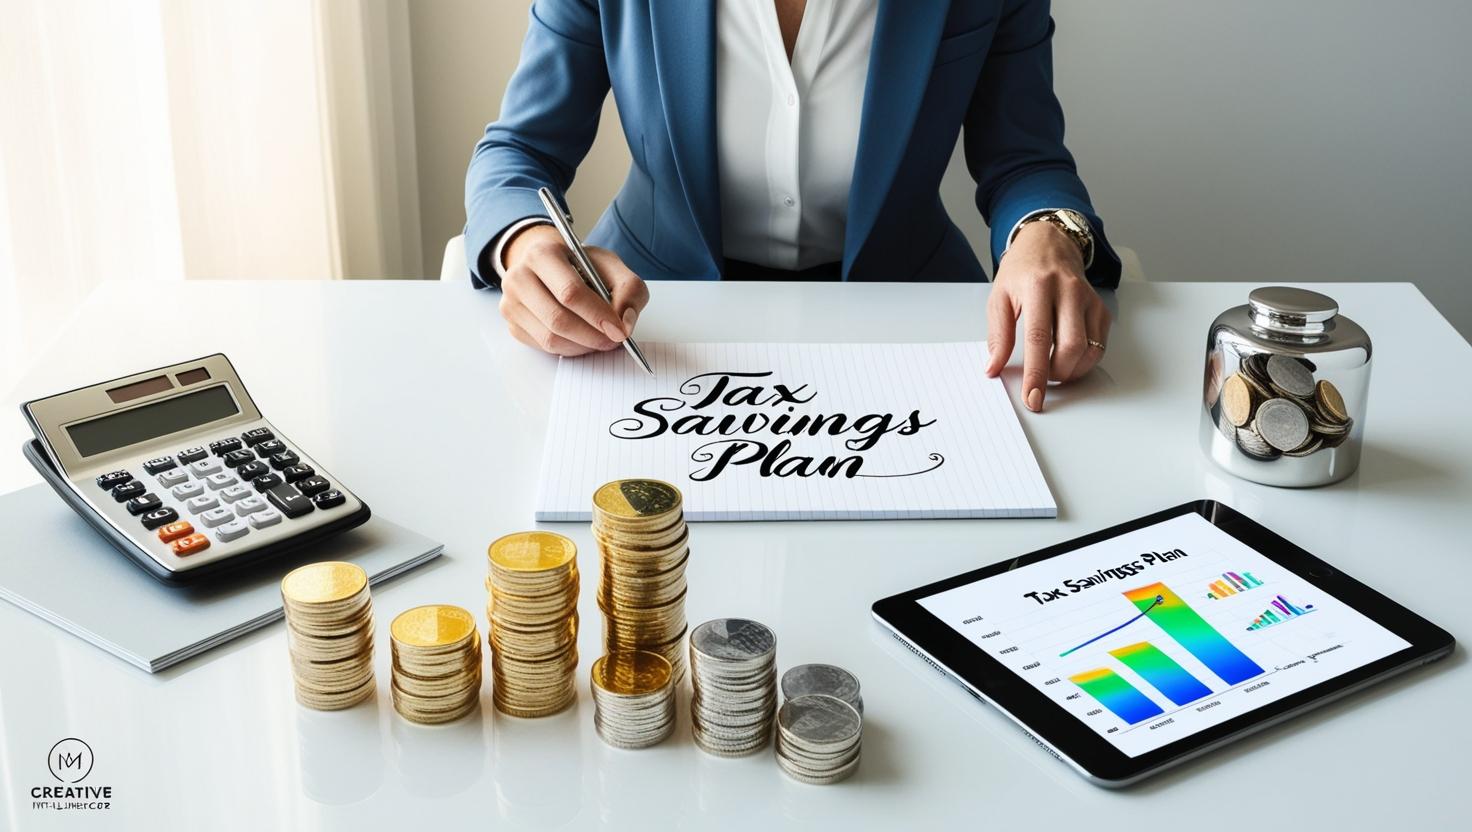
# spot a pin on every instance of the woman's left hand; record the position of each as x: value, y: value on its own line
x: 1065, y: 323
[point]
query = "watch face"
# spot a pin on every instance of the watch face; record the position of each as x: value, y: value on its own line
x: 1073, y: 221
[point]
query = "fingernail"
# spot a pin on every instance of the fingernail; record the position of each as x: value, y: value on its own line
x: 631, y: 317
x: 1035, y: 399
x: 611, y: 330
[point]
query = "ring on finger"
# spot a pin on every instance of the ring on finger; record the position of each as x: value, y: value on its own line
x: 1098, y: 345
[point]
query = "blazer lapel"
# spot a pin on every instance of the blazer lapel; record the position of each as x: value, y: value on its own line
x: 684, y: 39
x: 906, y: 35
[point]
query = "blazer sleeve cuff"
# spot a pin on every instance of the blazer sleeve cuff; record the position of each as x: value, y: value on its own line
x: 1045, y: 190
x: 494, y: 214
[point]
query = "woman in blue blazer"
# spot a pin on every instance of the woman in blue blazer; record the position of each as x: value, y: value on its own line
x: 691, y: 78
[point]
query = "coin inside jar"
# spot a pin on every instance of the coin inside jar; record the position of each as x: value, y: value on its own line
x: 1330, y: 402
x: 1290, y: 376
x: 1237, y: 400
x: 1282, y: 424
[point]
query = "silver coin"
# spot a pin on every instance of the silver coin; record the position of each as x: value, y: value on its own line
x: 820, y: 678
x: 1253, y: 445
x: 820, y: 721
x: 1282, y: 423
x: 1309, y: 447
x: 1290, y: 376
x: 733, y: 639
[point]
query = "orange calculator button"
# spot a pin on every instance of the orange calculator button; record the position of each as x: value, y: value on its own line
x: 191, y: 544
x: 174, y: 531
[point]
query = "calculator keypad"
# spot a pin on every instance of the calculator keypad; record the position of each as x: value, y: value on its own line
x: 312, y: 485
x: 285, y: 459
x: 237, y: 458
x: 216, y: 517
x: 235, y: 529
x: 190, y: 544
x: 187, y: 490
x: 234, y: 493
x: 203, y: 502
x: 251, y: 470
x: 267, y: 517
x: 205, y: 467
x: 143, y: 504
x: 158, y: 517
x: 251, y: 505
x: 128, y: 491
x: 257, y: 436
x: 159, y: 463
x: 222, y: 492
x: 331, y: 498
x: 297, y: 472
x: 189, y: 455
x: 108, y: 482
x: 175, y: 530
x: 289, y: 501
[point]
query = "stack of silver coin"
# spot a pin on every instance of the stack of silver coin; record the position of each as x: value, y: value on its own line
x: 733, y: 668
x: 818, y: 738
x: 825, y: 679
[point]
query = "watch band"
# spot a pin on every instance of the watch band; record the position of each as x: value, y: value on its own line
x: 1070, y: 222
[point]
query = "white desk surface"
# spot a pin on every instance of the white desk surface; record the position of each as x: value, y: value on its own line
x: 414, y: 394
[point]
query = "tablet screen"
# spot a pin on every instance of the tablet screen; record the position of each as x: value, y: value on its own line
x: 1159, y: 633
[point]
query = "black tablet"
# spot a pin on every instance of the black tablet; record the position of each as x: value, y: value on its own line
x: 1134, y: 648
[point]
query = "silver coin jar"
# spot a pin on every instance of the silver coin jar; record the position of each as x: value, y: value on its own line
x: 1287, y: 379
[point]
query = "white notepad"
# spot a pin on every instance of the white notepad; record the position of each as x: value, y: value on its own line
x: 793, y: 432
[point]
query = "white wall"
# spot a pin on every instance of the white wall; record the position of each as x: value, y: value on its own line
x: 1256, y: 140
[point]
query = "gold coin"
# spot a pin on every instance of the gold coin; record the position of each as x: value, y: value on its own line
x: 632, y: 673
x: 532, y: 551
x: 323, y: 583
x: 1330, y: 401
x: 432, y: 625
x: 637, y: 498
x: 1237, y: 400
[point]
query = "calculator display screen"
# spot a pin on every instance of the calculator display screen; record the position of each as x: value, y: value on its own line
x: 141, y: 424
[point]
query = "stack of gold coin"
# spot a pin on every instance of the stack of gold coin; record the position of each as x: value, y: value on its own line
x: 641, y: 533
x: 436, y: 667
x: 633, y: 699
x: 533, y: 610
x: 329, y: 633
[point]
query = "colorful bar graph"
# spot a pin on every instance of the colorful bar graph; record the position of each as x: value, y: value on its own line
x: 1230, y: 584
x: 1162, y: 672
x: 1119, y: 696
x: 1191, y: 631
x: 1281, y: 610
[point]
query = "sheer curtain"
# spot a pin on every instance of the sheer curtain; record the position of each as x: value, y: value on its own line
x: 162, y: 140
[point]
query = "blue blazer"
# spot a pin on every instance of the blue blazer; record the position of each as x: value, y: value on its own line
x: 936, y: 68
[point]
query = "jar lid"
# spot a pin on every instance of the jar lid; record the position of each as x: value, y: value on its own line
x: 1284, y: 307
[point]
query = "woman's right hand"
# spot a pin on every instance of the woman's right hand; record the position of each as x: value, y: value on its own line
x: 546, y: 304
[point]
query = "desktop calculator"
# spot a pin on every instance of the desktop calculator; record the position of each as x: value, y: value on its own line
x: 179, y: 470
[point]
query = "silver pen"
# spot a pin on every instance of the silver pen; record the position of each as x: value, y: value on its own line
x: 584, y: 265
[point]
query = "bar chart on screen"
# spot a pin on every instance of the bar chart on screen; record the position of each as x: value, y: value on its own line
x: 1231, y: 583
x: 1154, y: 635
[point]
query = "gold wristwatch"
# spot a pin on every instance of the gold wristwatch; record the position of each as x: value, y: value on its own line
x: 1070, y: 222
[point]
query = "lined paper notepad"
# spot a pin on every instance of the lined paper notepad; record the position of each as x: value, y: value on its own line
x: 793, y: 432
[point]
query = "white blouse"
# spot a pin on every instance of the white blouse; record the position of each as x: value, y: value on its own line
x: 787, y: 133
